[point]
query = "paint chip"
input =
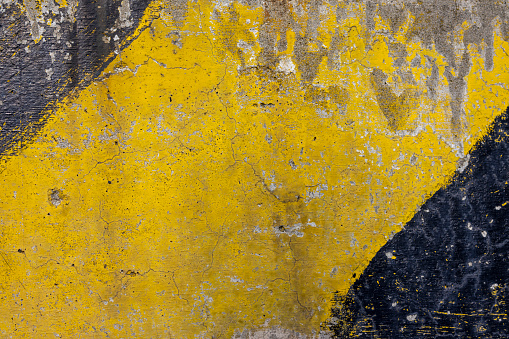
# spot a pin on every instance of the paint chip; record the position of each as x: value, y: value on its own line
x: 389, y: 255
x: 49, y: 73
x: 411, y: 317
x: 286, y: 65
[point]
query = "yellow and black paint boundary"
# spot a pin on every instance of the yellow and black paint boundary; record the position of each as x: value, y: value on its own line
x: 247, y: 141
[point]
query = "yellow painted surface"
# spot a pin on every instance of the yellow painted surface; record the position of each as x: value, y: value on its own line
x: 182, y: 195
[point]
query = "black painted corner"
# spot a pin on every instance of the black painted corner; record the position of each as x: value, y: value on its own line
x: 450, y: 275
x: 35, y: 75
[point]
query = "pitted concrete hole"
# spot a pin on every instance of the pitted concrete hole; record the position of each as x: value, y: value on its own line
x: 55, y: 197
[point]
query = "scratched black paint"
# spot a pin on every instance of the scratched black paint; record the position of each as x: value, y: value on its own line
x: 450, y: 275
x: 27, y: 92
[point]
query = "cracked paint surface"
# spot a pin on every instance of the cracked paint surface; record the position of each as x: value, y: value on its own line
x: 237, y: 164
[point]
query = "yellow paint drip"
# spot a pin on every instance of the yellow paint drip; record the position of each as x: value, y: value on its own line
x: 182, y: 195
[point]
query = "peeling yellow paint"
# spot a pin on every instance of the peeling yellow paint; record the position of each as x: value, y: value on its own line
x: 192, y: 192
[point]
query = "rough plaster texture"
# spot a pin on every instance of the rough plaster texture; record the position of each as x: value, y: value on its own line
x: 206, y: 169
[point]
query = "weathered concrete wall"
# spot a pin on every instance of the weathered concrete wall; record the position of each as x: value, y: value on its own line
x: 220, y: 168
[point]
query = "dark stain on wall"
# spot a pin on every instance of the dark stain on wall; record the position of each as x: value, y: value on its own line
x: 396, y: 108
x: 434, y: 22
